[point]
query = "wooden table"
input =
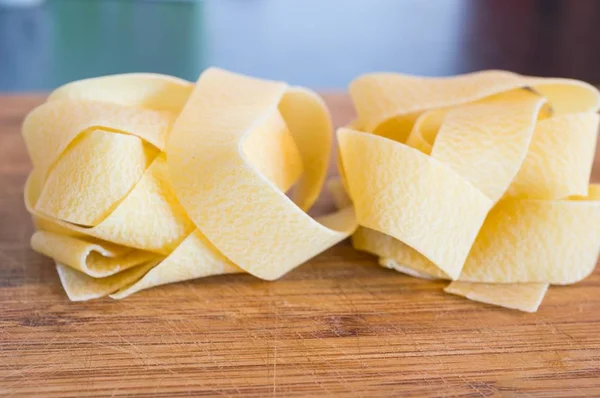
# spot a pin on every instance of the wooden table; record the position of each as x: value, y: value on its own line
x: 339, y: 325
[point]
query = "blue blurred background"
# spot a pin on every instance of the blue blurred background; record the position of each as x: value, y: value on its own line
x: 318, y: 43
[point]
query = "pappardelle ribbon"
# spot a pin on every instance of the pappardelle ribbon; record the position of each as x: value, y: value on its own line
x: 141, y: 180
x: 482, y: 179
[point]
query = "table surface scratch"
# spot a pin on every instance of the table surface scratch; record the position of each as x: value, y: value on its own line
x: 338, y: 325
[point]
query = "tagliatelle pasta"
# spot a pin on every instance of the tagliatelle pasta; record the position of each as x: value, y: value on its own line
x: 141, y: 180
x: 483, y: 179
x: 480, y: 178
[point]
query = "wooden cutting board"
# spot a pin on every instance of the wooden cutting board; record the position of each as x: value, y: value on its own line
x: 338, y: 325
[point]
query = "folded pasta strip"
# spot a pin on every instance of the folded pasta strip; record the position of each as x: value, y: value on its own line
x: 141, y: 180
x: 481, y: 178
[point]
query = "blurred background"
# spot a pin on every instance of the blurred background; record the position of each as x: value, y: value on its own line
x: 318, y: 43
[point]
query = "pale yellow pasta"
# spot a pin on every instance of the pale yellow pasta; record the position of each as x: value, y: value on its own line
x: 481, y: 178
x: 141, y: 180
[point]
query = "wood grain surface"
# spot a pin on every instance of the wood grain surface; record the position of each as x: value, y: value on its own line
x: 338, y: 325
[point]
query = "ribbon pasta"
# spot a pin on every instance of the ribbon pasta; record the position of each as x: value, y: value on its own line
x: 481, y: 178
x: 141, y: 180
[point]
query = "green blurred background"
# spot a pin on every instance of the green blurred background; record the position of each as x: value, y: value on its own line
x: 318, y: 43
